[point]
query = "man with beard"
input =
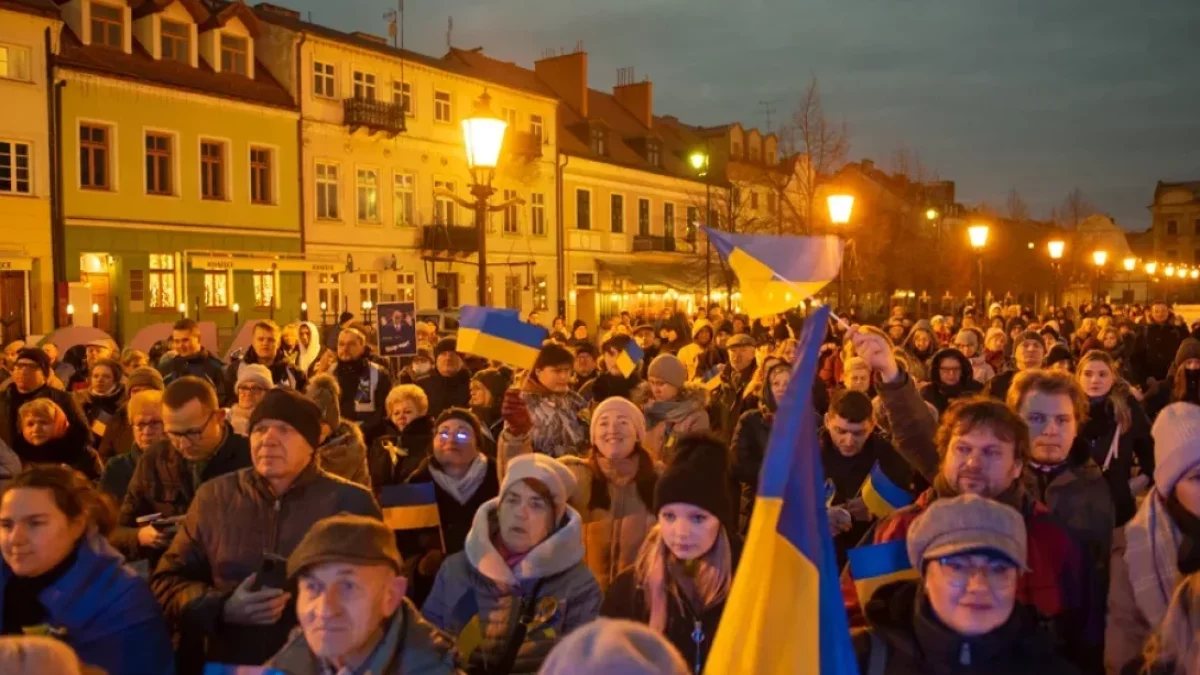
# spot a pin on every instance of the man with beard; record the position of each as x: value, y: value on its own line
x: 364, y: 385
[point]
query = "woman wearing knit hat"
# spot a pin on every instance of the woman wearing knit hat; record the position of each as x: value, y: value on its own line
x: 995, y: 349
x: 607, y: 646
x: 677, y: 406
x: 342, y: 451
x: 523, y: 557
x: 1161, y: 544
x: 684, y: 569
x: 101, y: 401
x: 253, y: 383
x: 544, y: 414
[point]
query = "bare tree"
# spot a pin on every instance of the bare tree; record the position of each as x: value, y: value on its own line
x: 821, y: 145
x: 1075, y: 207
x: 1016, y: 208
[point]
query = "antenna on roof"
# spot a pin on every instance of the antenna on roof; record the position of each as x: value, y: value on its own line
x: 625, y: 76
x: 768, y: 109
x: 578, y: 46
x: 449, y: 32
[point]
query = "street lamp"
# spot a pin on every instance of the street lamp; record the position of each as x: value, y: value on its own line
x: 1129, y: 263
x: 183, y: 310
x: 324, y: 314
x: 935, y: 218
x: 70, y: 315
x: 931, y: 214
x: 95, y: 315
x: 1151, y: 268
x: 1099, y: 257
x: 840, y: 208
x: 366, y: 308
x: 1055, y: 246
x: 304, y: 310
x: 699, y: 161
x: 978, y: 235
x: 483, y: 136
x: 236, y: 309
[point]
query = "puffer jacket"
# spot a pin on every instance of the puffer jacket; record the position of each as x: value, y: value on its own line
x: 567, y: 595
x: 616, y: 518
x: 446, y: 392
x: 105, y: 613
x: 409, y: 646
x: 344, y: 454
x: 666, y: 421
x: 215, y: 550
x: 939, y: 394
x: 395, y: 455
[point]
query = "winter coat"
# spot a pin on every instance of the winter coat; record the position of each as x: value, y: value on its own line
x: 100, y: 411
x: 666, y: 421
x: 118, y: 472
x: 1155, y: 351
x: 607, y: 385
x: 749, y: 447
x: 689, y: 354
x: 446, y: 392
x: 1133, y: 447
x: 118, y: 435
x: 201, y: 364
x: 409, y: 646
x: 283, y: 374
x: 847, y: 475
x: 999, y: 386
x: 71, y: 449
x: 728, y: 402
x: 105, y: 613
x: 395, y: 455
x: 10, y: 464
x: 359, y: 403
x: 214, y: 550
x: 907, y: 638
x: 981, y: 370
x: 552, y: 569
x: 616, y: 518
x: 344, y: 454
x: 941, y: 395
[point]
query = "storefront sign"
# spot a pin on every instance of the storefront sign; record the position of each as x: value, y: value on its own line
x: 16, y: 264
x: 208, y: 262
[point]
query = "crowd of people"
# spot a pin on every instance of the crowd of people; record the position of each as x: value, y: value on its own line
x: 166, y: 510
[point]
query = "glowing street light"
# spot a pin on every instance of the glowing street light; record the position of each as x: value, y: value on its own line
x: 483, y: 136
x: 978, y: 234
x: 699, y: 162
x: 1170, y: 270
x: 931, y: 214
x: 1151, y: 268
x: 840, y: 208
x: 1099, y: 257
x: 1056, y: 247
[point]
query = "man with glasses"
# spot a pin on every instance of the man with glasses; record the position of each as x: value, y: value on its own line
x: 190, y: 357
x: 196, y: 445
x: 264, y: 350
x: 220, y: 580
x: 30, y: 375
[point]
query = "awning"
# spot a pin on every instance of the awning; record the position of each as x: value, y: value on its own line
x: 683, y: 277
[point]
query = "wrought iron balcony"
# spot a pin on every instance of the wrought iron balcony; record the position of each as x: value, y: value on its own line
x: 374, y: 115
x: 450, y: 238
x: 524, y: 144
x: 657, y: 242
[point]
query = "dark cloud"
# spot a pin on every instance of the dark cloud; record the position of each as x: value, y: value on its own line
x: 1040, y: 95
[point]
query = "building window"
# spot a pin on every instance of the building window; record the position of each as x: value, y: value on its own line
x: 327, y: 191
x: 537, y: 214
x: 93, y: 157
x: 406, y: 287
x: 402, y: 96
x: 512, y: 291
x: 264, y: 289
x: 599, y: 142
x: 234, y: 55
x: 443, y: 206
x: 753, y: 200
x: 644, y: 217
x: 364, y: 86
x: 540, y: 299
x: 216, y: 289
x: 368, y: 288
x: 737, y: 150
x: 511, y: 224
x: 175, y: 41
x: 753, y: 153
x: 405, y: 199
x: 693, y: 214
x: 108, y: 26
x: 669, y: 222
x: 509, y: 115
x: 447, y: 290
x: 771, y: 203
x: 653, y: 154
x: 1172, y: 227
x: 441, y: 107
x: 212, y: 170
x: 535, y: 127
x: 324, y: 80
x: 329, y: 291
x: 162, y: 281
x: 14, y: 62
x: 15, y: 169
x: 368, y: 195
x: 158, y: 164
x: 583, y: 210
x: 260, y: 176
x: 617, y: 208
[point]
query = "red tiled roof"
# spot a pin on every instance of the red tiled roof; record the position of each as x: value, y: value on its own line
x: 40, y: 7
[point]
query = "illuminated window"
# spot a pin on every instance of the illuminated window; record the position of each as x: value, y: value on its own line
x: 329, y: 292
x: 535, y: 127
x: 14, y: 62
x: 443, y: 206
x: 368, y: 288
x: 405, y: 199
x: 162, y: 281
x: 327, y: 191
x: 216, y: 289
x: 368, y: 195
x: 540, y: 298
x: 406, y: 287
x: 264, y: 289
x: 511, y: 226
x: 402, y: 96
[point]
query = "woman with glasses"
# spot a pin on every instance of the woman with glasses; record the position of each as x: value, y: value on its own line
x: 961, y: 615
x: 144, y: 414
x: 253, y: 383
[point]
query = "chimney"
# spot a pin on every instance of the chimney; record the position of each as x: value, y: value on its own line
x: 636, y: 97
x: 277, y: 10
x: 566, y: 75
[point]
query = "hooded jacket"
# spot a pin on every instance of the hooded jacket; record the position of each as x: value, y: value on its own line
x: 309, y: 354
x: 690, y: 353
x: 749, y: 447
x: 922, y: 357
x: 666, y: 421
x: 567, y: 593
x: 1156, y: 348
x: 940, y: 394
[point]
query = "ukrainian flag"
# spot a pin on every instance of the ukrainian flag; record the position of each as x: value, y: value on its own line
x: 499, y: 334
x: 712, y: 378
x: 629, y: 359
x: 465, y: 613
x: 777, y: 273
x: 411, y: 506
x: 785, y: 613
x: 873, y: 567
x: 881, y: 495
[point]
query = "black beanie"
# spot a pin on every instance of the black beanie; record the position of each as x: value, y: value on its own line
x: 464, y: 415
x: 1057, y: 354
x: 35, y: 354
x: 698, y: 475
x: 293, y: 408
x: 553, y: 355
x: 446, y: 344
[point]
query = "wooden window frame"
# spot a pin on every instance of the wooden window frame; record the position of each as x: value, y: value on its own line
x: 322, y: 184
x: 164, y: 39
x: 239, y: 54
x: 88, y: 149
x: 213, y: 168
x: 160, y: 178
x: 262, y: 176
x: 14, y: 171
x: 107, y: 22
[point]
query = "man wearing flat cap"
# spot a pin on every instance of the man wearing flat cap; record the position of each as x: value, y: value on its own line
x: 239, y: 525
x: 350, y: 601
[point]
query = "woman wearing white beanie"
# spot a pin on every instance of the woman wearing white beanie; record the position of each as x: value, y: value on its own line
x: 1161, y: 544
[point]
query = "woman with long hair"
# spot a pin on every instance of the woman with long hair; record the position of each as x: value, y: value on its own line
x: 681, y: 579
x: 1173, y: 649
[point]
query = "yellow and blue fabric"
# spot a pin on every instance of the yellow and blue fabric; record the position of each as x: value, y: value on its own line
x: 499, y: 334
x: 712, y: 379
x: 777, y: 273
x: 878, y: 565
x: 465, y: 613
x: 410, y: 506
x: 629, y: 358
x: 881, y: 495
x: 785, y: 612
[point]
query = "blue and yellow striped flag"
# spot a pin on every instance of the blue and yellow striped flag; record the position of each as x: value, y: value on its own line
x: 629, y: 358
x: 878, y: 565
x: 465, y: 613
x: 785, y: 612
x: 881, y: 495
x: 499, y: 334
x: 712, y: 378
x: 777, y: 273
x: 411, y: 506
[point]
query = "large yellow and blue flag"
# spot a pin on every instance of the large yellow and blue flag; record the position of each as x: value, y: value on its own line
x: 878, y: 565
x: 777, y: 273
x: 785, y: 612
x: 499, y: 334
x: 882, y: 495
x: 629, y: 358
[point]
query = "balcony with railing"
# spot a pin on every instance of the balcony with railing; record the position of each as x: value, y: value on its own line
x: 455, y: 239
x: 524, y: 144
x: 385, y: 116
x: 657, y: 242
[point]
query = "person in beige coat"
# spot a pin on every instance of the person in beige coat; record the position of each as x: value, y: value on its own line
x: 678, y: 407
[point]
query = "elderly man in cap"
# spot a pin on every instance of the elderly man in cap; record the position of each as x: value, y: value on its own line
x: 96, y: 350
x: 726, y: 402
x: 221, y: 580
x: 350, y: 601
x: 31, y: 370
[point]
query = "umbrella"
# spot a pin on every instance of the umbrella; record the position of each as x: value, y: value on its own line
x: 73, y: 336
x: 147, y: 337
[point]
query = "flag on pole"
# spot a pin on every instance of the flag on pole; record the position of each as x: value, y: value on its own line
x: 499, y: 334
x: 878, y: 565
x: 629, y: 358
x: 777, y: 273
x: 785, y: 613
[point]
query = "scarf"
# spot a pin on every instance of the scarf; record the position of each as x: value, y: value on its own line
x: 462, y: 489
x: 619, y: 471
x: 673, y: 412
x: 1152, y: 544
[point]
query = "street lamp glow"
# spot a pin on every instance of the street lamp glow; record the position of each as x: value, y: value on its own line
x: 95, y: 308
x: 236, y: 308
x: 483, y: 133
x: 366, y: 304
x: 931, y: 214
x: 1170, y: 270
x: 303, y: 306
x: 1130, y: 263
x: 1196, y: 274
x: 1031, y: 246
x: 978, y: 235
x: 70, y: 310
x: 699, y: 162
x: 324, y: 306
x: 1183, y: 272
x: 1099, y: 257
x: 1056, y: 247
x: 840, y: 208
x: 1151, y: 267
x: 183, y: 308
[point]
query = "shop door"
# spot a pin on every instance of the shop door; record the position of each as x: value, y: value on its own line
x: 12, y: 306
x: 99, y: 285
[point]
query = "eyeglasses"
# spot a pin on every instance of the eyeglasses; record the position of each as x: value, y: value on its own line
x: 143, y: 427
x: 192, y: 436
x: 250, y: 389
x: 995, y: 573
x: 457, y: 437
x: 25, y: 365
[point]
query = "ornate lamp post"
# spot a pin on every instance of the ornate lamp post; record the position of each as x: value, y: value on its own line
x: 978, y: 235
x: 483, y: 136
x: 1099, y: 258
x: 1056, y: 246
x: 840, y: 208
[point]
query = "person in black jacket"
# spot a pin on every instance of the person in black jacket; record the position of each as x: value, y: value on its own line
x: 398, y: 445
x: 103, y: 399
x: 1157, y: 343
x: 264, y: 350
x: 487, y: 395
x: 449, y: 385
x: 750, y: 440
x: 950, y: 377
x: 31, y: 368
x: 364, y: 385
x: 191, y: 358
x: 1028, y: 353
x: 612, y: 382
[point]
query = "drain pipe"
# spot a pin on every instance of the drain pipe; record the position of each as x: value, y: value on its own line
x: 561, y: 245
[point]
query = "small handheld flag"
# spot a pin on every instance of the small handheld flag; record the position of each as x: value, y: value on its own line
x: 629, y: 358
x: 712, y: 378
x: 881, y: 495
x: 777, y: 273
x: 873, y: 567
x: 499, y: 334
x: 465, y: 613
x: 409, y: 506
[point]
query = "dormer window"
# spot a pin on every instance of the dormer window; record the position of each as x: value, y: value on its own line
x: 653, y: 153
x: 599, y: 141
x: 175, y: 41
x: 108, y: 26
x: 234, y: 55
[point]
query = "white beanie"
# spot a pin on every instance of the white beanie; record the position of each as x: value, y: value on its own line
x: 613, y: 646
x: 1176, y: 434
x: 547, y: 470
x: 255, y: 373
x: 620, y: 405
